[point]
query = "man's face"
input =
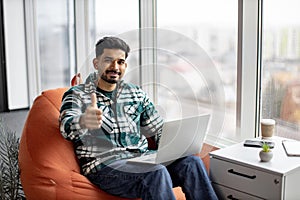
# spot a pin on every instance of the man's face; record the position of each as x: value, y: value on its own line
x: 111, y: 65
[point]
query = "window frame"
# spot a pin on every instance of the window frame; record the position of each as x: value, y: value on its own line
x: 148, y: 75
x: 32, y: 51
x: 3, y: 82
x: 249, y: 67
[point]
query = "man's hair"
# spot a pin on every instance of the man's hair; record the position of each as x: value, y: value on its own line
x: 111, y: 43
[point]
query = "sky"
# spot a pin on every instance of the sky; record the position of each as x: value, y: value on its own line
x: 178, y: 12
x: 282, y: 12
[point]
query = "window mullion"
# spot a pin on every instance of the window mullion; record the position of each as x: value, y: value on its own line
x: 82, y: 37
x: 248, y: 68
x: 32, y: 50
x: 148, y: 70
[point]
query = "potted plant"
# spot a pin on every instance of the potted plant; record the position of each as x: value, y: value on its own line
x: 265, y: 154
x: 10, y: 185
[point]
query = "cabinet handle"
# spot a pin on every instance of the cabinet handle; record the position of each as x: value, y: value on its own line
x: 276, y: 181
x: 231, y: 197
x: 241, y: 174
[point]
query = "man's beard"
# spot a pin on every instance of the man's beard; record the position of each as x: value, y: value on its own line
x: 108, y: 80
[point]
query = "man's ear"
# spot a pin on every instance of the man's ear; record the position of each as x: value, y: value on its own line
x: 96, y: 63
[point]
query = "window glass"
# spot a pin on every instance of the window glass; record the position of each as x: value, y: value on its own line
x: 208, y: 29
x: 55, y: 23
x: 281, y: 66
x: 120, y: 18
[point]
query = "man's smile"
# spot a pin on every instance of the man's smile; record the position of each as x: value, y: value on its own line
x: 112, y: 72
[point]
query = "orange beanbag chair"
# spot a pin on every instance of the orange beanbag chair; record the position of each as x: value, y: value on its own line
x: 48, y: 165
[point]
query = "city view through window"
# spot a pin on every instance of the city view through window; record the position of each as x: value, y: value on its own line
x: 214, y: 29
x: 281, y: 66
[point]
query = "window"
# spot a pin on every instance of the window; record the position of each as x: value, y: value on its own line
x: 119, y: 18
x: 208, y: 35
x: 116, y: 17
x: 55, y: 24
x: 281, y: 66
x: 226, y: 32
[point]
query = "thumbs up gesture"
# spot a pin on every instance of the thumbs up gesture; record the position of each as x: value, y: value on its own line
x: 92, y: 118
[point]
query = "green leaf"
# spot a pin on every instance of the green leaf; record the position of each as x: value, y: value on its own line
x: 266, y: 147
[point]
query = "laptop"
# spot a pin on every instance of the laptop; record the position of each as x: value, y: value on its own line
x: 181, y: 137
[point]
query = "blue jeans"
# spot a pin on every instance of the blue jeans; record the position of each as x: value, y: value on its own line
x: 132, y: 180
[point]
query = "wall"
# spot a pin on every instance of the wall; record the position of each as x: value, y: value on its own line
x: 16, y: 64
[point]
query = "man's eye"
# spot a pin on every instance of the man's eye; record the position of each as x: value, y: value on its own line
x: 121, y: 62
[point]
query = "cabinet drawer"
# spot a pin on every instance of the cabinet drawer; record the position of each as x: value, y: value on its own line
x: 230, y: 194
x: 245, y: 179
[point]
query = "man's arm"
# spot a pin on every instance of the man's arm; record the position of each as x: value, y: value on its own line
x: 73, y: 121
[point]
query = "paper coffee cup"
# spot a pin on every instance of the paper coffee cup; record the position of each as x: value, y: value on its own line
x: 267, y: 128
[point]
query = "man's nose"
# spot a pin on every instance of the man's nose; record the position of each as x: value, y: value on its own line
x: 114, y: 64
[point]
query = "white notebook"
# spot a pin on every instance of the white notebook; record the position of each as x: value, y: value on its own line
x: 292, y: 147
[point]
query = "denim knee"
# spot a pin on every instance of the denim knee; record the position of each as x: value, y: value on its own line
x: 158, y: 185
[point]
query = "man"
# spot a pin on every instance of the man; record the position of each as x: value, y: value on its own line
x: 109, y: 121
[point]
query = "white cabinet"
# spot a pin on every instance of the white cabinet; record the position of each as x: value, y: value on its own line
x: 237, y: 173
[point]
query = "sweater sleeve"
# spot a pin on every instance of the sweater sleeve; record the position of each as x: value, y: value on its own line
x: 70, y: 113
x: 151, y: 122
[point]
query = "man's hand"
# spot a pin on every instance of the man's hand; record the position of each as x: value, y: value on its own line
x: 92, y: 118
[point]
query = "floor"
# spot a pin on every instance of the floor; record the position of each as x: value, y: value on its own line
x: 14, y: 120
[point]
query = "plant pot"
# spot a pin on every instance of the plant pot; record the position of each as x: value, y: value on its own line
x: 265, y: 156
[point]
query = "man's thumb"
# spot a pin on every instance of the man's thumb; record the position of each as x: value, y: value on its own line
x: 94, y: 100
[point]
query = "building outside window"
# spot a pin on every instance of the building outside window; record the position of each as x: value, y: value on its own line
x: 281, y: 66
x: 214, y: 30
